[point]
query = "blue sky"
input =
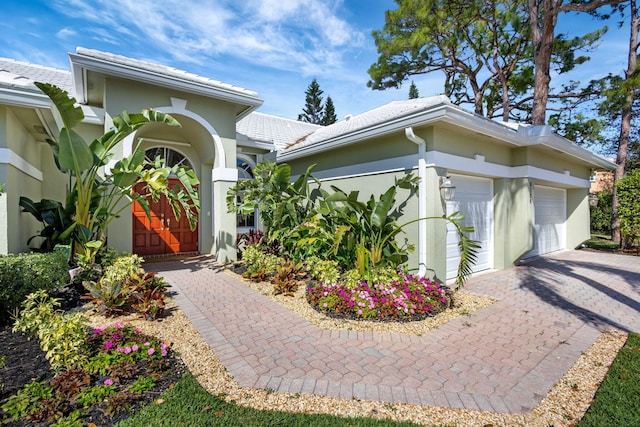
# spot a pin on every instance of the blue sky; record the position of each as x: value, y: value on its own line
x: 275, y: 47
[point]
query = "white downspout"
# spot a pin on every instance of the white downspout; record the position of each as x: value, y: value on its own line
x: 422, y: 199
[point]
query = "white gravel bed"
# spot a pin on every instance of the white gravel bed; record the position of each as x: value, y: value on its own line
x: 464, y: 304
x: 565, y: 404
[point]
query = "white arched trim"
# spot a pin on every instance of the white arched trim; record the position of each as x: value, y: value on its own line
x: 220, y: 170
x: 247, y: 159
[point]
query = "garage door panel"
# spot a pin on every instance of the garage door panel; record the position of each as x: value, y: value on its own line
x: 550, y: 220
x: 474, y: 199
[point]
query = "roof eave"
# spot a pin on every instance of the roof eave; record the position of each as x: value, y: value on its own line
x: 570, y: 148
x: 24, y: 98
x: 81, y: 63
x: 456, y: 116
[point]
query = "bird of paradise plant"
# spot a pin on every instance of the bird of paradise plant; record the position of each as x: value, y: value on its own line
x: 99, y: 194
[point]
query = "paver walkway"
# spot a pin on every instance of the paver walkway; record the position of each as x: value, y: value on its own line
x: 503, y: 358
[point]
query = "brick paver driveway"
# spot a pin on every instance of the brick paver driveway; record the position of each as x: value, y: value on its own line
x: 503, y: 358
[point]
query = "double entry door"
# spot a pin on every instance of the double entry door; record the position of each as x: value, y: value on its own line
x: 162, y: 234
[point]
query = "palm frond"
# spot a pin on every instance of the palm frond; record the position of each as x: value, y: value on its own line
x: 468, y: 248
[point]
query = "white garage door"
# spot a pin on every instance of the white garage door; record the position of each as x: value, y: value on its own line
x: 473, y: 198
x: 550, y: 223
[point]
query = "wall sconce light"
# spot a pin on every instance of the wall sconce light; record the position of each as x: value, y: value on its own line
x: 447, y: 189
x: 593, y: 200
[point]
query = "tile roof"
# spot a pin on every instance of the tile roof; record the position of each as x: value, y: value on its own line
x: 159, y: 69
x: 19, y: 74
x: 378, y: 116
x: 274, y: 130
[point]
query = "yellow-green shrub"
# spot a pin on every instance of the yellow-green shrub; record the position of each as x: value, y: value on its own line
x: 62, y: 336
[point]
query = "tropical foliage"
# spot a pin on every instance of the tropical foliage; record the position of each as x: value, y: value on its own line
x: 306, y: 222
x: 283, y: 205
x: 360, y: 233
x: 56, y: 218
x: 96, y: 199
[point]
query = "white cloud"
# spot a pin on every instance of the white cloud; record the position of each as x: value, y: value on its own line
x: 66, y: 33
x: 294, y: 35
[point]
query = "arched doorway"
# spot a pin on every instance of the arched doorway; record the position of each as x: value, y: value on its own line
x: 162, y: 234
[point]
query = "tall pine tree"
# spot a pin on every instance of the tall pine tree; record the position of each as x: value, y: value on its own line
x: 413, y: 91
x: 329, y: 115
x: 313, y: 109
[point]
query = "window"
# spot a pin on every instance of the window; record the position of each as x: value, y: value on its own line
x: 171, y: 157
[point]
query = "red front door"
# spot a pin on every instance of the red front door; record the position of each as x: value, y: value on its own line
x: 163, y: 234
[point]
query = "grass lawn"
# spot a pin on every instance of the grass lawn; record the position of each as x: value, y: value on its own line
x: 188, y: 404
x: 617, y: 402
x: 602, y: 242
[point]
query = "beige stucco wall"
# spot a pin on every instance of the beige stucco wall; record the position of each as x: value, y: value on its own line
x: 513, y: 220
x: 15, y: 227
x: 377, y: 149
x: 578, y: 217
x: 446, y: 140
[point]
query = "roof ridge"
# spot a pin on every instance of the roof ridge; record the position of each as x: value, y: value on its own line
x: 287, y: 119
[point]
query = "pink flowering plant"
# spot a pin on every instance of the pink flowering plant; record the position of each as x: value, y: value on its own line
x: 120, y: 342
x: 411, y: 298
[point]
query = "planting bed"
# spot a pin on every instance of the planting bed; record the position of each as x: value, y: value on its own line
x: 25, y: 363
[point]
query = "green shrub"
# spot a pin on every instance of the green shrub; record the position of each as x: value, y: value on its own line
x: 325, y: 271
x: 37, y: 309
x: 260, y: 265
x: 628, y: 189
x: 107, y: 256
x: 64, y: 341
x: 23, y: 274
x: 61, y: 337
x: 601, y: 214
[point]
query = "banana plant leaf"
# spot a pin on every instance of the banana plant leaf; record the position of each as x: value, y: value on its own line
x: 73, y: 153
x: 57, y: 220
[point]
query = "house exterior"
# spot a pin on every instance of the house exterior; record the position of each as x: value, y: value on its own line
x: 105, y: 85
x: 523, y: 188
x: 601, y: 181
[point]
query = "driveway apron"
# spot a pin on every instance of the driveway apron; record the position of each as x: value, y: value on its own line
x: 503, y: 358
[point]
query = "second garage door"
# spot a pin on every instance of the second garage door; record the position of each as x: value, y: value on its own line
x: 473, y: 198
x: 550, y: 222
